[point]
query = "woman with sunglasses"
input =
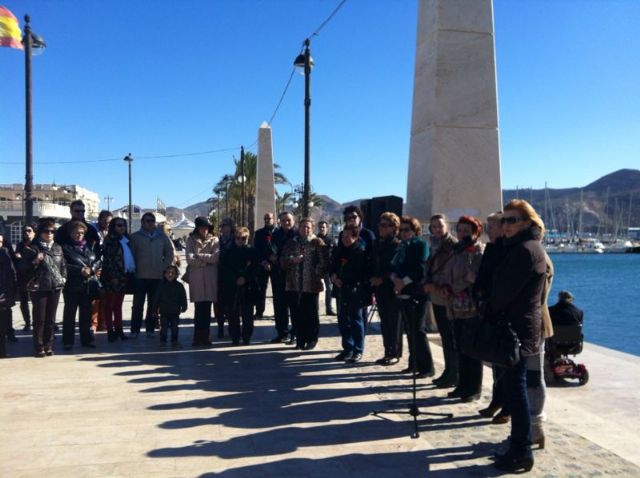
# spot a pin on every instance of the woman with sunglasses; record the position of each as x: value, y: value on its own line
x: 462, y: 270
x: 118, y: 269
x: 28, y: 235
x: 384, y: 248
x: 238, y: 273
x: 517, y: 297
x: 82, y: 285
x: 408, y: 277
x: 47, y: 276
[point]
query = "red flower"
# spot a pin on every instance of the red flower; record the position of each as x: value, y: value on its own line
x: 268, y: 237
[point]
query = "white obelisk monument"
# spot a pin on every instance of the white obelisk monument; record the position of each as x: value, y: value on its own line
x: 265, y: 182
x: 454, y: 158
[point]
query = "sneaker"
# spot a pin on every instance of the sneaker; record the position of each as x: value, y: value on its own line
x: 355, y: 358
x: 278, y: 340
x: 344, y: 355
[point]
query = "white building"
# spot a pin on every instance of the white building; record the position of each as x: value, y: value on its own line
x: 49, y: 200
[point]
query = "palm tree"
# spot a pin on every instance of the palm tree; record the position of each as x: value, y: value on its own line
x: 230, y: 187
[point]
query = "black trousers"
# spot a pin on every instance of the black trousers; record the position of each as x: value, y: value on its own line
x: 390, y: 321
x: 414, y: 316
x: 202, y: 317
x: 169, y: 322
x: 74, y: 301
x: 261, y: 296
x: 470, y: 370
x: 305, y: 316
x: 24, y: 305
x: 328, y: 294
x: 4, y: 330
x: 244, y: 311
x: 280, y: 304
x: 449, y: 348
x: 45, y: 305
x: 145, y: 289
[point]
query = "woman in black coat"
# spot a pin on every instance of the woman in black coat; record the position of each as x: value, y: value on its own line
x: 81, y: 287
x: 8, y: 286
x: 518, y: 284
x: 47, y: 273
x: 238, y: 273
x: 408, y: 277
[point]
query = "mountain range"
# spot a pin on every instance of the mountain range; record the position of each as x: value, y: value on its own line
x: 606, y: 205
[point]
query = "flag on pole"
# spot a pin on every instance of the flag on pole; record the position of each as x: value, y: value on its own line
x: 10, y: 34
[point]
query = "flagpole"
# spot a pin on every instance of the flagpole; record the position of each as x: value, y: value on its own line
x: 28, y: 184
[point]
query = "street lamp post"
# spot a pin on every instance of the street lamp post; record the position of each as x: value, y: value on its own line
x: 33, y: 44
x: 242, y: 178
x: 305, y: 61
x: 129, y: 159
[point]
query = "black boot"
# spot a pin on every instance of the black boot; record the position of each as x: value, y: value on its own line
x: 120, y: 335
x: 111, y: 335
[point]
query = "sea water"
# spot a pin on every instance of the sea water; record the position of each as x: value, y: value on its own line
x: 607, y: 288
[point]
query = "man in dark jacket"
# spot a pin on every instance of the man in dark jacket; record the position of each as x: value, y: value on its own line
x: 77, y: 210
x: 564, y: 312
x: 264, y: 249
x: 323, y: 233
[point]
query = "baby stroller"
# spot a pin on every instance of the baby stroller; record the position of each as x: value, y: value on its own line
x: 567, y: 340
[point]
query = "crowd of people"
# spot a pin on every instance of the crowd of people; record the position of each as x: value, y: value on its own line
x: 396, y: 270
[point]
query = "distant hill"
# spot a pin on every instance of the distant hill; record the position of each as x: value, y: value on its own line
x: 604, y: 205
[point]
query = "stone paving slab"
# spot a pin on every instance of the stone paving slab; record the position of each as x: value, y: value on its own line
x: 135, y: 409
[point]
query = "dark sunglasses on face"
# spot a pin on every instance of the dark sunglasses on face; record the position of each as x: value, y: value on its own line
x: 242, y: 238
x: 351, y: 216
x: 510, y: 220
x: 49, y: 231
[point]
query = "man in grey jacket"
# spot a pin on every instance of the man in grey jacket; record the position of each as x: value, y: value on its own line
x: 152, y: 252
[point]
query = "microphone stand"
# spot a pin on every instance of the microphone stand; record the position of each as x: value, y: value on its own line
x: 413, y: 410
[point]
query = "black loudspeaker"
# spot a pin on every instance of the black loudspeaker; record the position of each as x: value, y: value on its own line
x: 374, y: 207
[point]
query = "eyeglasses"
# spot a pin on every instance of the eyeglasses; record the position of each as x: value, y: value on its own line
x: 510, y: 220
x: 352, y: 216
x: 242, y: 238
x: 49, y: 231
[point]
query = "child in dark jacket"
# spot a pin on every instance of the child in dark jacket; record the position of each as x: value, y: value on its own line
x: 169, y: 302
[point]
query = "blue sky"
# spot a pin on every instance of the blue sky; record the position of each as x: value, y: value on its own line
x: 166, y: 77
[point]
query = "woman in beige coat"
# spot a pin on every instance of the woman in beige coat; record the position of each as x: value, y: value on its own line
x: 202, y: 253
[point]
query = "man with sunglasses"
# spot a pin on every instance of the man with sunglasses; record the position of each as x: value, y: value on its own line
x: 153, y: 253
x: 77, y: 210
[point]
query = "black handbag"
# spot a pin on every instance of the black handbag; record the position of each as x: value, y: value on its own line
x: 490, y: 341
x: 93, y: 287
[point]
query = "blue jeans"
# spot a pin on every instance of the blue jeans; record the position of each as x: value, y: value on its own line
x: 351, y: 319
x: 515, y: 383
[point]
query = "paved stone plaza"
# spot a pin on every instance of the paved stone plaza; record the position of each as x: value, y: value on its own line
x: 135, y: 409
